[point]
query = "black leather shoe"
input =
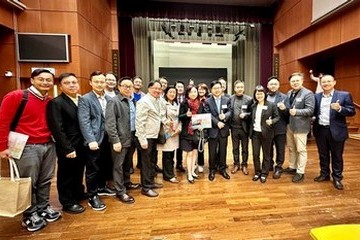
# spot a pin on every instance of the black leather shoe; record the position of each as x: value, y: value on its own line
x: 338, y: 185
x: 263, y: 179
x: 180, y: 168
x: 245, y: 170
x: 298, y: 177
x: 74, y: 209
x: 132, y: 186
x: 212, y: 175
x: 289, y: 170
x: 125, y: 198
x: 149, y: 193
x: 322, y: 178
x: 225, y: 174
x: 256, y: 177
x: 157, y: 185
x: 158, y: 169
x: 96, y: 204
x: 277, y: 174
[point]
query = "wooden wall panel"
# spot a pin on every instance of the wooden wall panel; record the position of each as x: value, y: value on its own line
x: 305, y: 45
x: 32, y: 4
x: 327, y: 35
x: 29, y: 21
x: 350, y: 25
x: 63, y: 5
x: 6, y: 18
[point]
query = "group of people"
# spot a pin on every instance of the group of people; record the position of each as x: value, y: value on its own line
x: 98, y: 133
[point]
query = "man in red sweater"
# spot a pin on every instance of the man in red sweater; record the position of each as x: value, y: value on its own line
x: 38, y: 158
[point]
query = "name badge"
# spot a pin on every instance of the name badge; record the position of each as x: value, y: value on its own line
x: 244, y: 107
x: 224, y: 106
x: 265, y: 107
x: 298, y: 100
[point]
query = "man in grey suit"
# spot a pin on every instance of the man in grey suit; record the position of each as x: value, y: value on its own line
x: 300, y: 103
x: 91, y: 114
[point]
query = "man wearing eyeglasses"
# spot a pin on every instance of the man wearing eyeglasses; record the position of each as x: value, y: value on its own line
x: 111, y: 83
x: 147, y: 126
x: 119, y: 124
x: 38, y: 158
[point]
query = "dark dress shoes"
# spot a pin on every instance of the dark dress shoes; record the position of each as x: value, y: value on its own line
x: 180, y: 168
x: 263, y: 179
x: 157, y: 185
x: 149, y: 193
x: 322, y: 178
x: 125, y: 198
x: 74, y: 209
x: 96, y: 204
x: 338, y: 185
x: 289, y: 170
x: 277, y: 174
x: 212, y: 175
x: 298, y: 177
x: 158, y: 169
x: 132, y: 186
x: 235, y: 169
x: 256, y: 177
x: 225, y: 174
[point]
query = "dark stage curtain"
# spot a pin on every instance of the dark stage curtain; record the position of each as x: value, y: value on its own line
x: 126, y: 47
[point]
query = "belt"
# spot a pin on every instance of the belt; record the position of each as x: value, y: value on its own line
x: 324, y: 126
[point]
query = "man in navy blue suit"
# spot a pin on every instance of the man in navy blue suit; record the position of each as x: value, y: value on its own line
x: 330, y: 129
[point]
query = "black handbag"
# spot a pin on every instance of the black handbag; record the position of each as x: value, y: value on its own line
x: 161, y: 137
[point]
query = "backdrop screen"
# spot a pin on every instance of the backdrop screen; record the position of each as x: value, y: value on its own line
x: 199, y: 75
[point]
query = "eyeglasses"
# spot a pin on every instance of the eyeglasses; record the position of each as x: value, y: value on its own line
x: 44, y: 79
x: 127, y: 86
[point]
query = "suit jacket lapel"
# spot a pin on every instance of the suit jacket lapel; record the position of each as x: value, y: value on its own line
x: 68, y: 100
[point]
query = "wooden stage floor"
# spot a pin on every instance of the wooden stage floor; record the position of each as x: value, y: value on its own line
x: 224, y: 209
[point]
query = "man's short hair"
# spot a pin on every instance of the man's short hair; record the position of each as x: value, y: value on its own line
x: 65, y: 75
x: 296, y: 74
x: 123, y: 79
x: 39, y: 71
x: 96, y: 73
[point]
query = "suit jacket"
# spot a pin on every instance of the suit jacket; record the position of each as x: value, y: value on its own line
x: 210, y: 107
x: 247, y: 102
x: 117, y: 120
x: 63, y: 123
x: 280, y: 126
x: 338, y: 127
x: 269, y: 110
x: 91, y: 118
x: 304, y: 103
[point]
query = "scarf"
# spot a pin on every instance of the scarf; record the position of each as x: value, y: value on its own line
x: 194, y: 106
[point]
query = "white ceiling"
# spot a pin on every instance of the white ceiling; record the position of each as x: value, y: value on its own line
x: 250, y: 3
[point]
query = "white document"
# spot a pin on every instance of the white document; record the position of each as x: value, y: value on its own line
x: 202, y: 120
x: 16, y: 144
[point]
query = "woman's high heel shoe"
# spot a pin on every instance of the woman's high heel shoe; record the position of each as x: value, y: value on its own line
x: 191, y: 181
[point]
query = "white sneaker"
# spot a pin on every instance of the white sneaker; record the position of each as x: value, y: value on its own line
x: 200, y: 169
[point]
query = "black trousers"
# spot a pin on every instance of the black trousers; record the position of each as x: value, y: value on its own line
x: 179, y: 157
x: 259, y: 142
x: 238, y: 135
x: 201, y: 160
x: 168, y: 164
x: 327, y: 146
x: 147, y: 172
x: 217, y: 153
x: 134, y: 146
x: 97, y: 167
x: 70, y: 173
x: 278, y: 143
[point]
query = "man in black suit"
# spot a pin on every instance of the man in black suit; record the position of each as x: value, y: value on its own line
x: 63, y: 122
x: 219, y: 107
x: 279, y: 140
x: 330, y: 129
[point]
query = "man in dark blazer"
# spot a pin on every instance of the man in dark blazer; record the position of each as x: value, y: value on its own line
x: 63, y: 123
x: 219, y: 107
x: 330, y: 129
x: 119, y: 124
x: 279, y: 140
x: 91, y: 114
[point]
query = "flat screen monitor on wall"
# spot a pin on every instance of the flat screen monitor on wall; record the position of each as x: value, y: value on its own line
x: 41, y: 47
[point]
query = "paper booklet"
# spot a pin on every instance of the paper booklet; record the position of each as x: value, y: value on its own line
x: 16, y: 144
